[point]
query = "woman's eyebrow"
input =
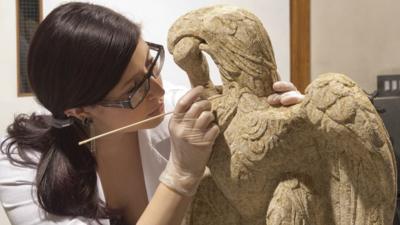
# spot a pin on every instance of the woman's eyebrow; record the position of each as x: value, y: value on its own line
x: 129, y: 82
x: 132, y: 78
x: 147, y: 55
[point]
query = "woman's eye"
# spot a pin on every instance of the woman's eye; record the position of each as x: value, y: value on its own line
x: 132, y: 87
x: 149, y: 61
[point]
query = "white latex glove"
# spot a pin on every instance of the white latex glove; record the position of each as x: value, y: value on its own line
x: 192, y: 136
x: 287, y: 94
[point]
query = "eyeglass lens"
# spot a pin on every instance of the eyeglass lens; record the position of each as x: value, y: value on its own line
x: 141, y: 93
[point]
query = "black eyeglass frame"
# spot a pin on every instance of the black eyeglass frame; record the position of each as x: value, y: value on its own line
x: 127, y: 104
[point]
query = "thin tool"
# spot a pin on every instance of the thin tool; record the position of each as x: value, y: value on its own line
x: 122, y: 128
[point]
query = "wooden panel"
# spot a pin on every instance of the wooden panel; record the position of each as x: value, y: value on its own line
x: 300, y: 43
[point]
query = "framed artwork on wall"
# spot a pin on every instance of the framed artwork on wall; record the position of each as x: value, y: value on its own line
x: 29, y: 15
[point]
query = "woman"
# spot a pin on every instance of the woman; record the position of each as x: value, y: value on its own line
x: 90, y: 67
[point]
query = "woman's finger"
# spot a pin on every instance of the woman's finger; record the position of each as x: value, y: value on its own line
x: 274, y: 99
x: 197, y: 108
x: 188, y: 99
x: 204, y: 120
x: 212, y: 133
x: 291, y: 98
x: 283, y: 86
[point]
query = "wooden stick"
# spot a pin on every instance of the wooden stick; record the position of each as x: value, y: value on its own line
x: 122, y: 128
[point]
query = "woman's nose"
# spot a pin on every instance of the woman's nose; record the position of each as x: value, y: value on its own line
x: 156, y: 88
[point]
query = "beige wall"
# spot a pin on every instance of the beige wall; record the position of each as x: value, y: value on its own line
x: 360, y: 38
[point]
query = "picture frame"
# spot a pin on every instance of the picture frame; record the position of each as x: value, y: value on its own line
x: 29, y: 13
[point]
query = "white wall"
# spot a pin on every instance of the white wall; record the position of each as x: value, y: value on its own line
x: 156, y: 17
x: 359, y: 38
x: 156, y: 20
x: 8, y: 71
x: 9, y: 102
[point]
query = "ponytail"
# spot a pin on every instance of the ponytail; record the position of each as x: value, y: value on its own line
x: 66, y: 172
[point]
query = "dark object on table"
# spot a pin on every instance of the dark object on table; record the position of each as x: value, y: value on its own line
x: 387, y: 102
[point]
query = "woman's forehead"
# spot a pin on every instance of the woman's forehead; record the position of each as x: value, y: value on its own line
x: 138, y: 60
x: 134, y: 69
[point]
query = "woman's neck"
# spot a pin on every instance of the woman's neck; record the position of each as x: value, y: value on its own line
x: 120, y: 170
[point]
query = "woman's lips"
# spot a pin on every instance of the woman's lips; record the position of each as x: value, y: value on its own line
x: 158, y: 110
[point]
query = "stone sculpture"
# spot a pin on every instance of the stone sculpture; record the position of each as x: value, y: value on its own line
x: 325, y: 161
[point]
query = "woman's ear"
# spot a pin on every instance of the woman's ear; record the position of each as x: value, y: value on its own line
x: 78, y: 113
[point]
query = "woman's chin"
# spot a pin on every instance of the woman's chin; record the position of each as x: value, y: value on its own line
x: 154, y: 123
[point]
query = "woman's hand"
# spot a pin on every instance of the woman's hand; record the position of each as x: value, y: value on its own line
x: 287, y: 94
x: 192, y: 136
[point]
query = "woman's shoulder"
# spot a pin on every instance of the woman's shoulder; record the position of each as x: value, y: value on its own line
x: 13, y: 173
x: 16, y: 180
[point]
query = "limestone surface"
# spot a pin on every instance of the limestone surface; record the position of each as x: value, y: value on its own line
x: 327, y: 160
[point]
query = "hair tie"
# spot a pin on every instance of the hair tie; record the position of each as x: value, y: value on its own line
x: 61, y: 123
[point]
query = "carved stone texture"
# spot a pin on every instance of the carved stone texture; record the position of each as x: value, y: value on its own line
x: 327, y: 160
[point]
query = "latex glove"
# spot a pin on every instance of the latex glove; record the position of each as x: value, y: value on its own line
x: 192, y: 136
x: 287, y: 94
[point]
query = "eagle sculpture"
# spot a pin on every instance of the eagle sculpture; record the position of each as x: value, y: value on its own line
x: 327, y: 160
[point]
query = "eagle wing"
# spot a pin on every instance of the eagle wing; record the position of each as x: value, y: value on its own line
x: 350, y: 138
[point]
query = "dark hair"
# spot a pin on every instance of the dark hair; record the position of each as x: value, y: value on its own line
x: 78, y: 54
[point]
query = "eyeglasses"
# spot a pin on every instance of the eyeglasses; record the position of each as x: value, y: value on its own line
x: 139, y: 92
